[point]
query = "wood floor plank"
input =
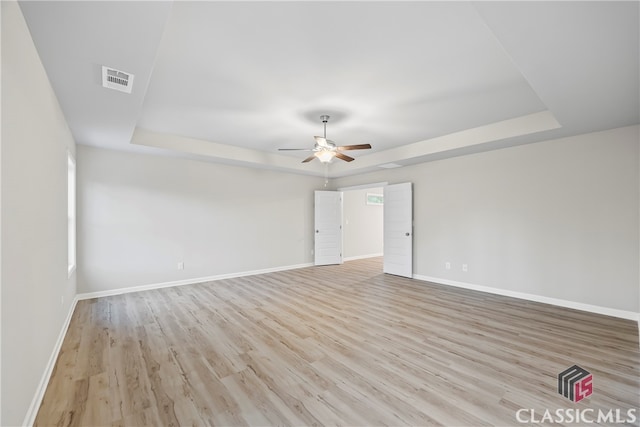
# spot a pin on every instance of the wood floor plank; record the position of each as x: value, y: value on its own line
x: 334, y: 345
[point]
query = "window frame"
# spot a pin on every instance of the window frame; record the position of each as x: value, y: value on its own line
x: 71, y: 214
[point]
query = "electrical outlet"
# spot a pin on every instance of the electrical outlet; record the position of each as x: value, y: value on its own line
x: 181, y: 265
x: 447, y: 265
x: 464, y: 267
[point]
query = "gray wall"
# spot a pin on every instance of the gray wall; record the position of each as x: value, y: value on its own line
x: 36, y: 290
x: 362, y: 223
x: 139, y: 215
x: 558, y: 219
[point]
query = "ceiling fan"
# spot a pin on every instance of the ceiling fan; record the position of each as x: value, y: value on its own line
x: 325, y: 149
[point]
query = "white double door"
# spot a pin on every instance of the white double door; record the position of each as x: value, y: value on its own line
x: 398, y: 229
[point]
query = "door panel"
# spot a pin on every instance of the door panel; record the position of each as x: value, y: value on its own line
x: 398, y: 230
x: 328, y: 227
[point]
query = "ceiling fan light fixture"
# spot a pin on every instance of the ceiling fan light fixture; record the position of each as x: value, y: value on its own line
x: 325, y: 149
x: 325, y: 156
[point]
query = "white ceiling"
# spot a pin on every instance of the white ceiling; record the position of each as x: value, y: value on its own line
x: 232, y: 82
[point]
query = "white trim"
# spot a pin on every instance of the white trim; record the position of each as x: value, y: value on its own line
x: 30, y: 417
x: 353, y: 258
x: 72, y: 215
x: 630, y: 315
x: 44, y: 381
x: 184, y: 282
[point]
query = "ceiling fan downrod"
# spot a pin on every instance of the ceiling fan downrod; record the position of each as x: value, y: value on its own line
x: 325, y: 119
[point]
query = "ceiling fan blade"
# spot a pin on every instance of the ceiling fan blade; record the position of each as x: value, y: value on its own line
x: 294, y: 149
x: 355, y: 147
x: 308, y: 159
x: 344, y: 157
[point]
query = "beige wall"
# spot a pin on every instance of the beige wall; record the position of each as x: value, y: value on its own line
x: 140, y: 215
x: 36, y: 291
x: 558, y: 219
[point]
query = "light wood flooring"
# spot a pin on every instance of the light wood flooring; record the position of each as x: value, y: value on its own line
x: 335, y: 345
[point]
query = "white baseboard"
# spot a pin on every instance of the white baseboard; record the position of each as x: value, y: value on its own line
x: 30, y: 418
x: 353, y: 258
x: 193, y: 281
x: 44, y: 381
x: 630, y: 315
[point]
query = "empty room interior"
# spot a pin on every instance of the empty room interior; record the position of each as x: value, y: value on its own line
x: 319, y: 213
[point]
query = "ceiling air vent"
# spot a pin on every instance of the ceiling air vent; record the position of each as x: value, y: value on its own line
x: 116, y: 79
x: 390, y: 166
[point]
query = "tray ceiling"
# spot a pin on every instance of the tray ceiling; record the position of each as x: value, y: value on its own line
x: 234, y: 81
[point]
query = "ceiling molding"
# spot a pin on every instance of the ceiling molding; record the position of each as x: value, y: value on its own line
x: 466, y: 139
x: 223, y: 153
x: 519, y: 126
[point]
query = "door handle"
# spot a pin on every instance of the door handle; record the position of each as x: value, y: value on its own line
x: 407, y: 234
x: 317, y: 231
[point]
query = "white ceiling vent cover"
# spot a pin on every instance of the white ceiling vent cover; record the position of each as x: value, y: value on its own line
x: 116, y: 79
x: 390, y: 166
